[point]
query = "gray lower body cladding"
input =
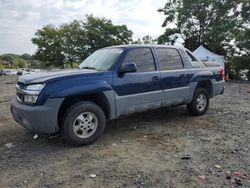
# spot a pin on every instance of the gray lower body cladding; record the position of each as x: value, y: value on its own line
x: 218, y: 88
x: 38, y: 119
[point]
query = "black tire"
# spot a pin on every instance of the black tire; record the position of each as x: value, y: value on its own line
x: 69, y: 120
x: 193, y: 108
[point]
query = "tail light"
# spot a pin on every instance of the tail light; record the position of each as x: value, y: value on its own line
x: 222, y: 74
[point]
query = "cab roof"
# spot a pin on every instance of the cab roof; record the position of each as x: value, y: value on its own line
x: 145, y: 45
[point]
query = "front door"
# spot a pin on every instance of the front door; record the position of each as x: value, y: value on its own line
x: 140, y: 90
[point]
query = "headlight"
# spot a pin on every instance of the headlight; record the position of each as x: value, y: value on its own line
x: 30, y: 93
x: 35, y: 87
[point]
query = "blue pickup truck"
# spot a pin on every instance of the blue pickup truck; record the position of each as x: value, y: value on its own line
x: 112, y: 82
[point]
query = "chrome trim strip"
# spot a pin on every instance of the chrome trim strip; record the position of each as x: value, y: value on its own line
x: 26, y: 92
x: 18, y: 98
x: 177, y: 88
x: 138, y: 94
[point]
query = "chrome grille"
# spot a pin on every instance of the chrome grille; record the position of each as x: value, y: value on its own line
x: 20, y: 97
x: 19, y: 93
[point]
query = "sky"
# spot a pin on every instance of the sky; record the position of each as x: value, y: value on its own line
x: 19, y: 19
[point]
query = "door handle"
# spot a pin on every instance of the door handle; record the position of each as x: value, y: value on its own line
x: 155, y: 78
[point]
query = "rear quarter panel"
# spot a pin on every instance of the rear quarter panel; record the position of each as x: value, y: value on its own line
x: 205, y: 74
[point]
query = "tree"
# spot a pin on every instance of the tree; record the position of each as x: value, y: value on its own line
x: 15, y: 60
x: 246, y: 12
x: 71, y: 43
x: 2, y: 67
x: 241, y: 61
x: 212, y: 23
x: 243, y: 42
x: 138, y: 41
x: 145, y: 40
x: 49, y: 42
x: 101, y: 32
x: 26, y: 56
x: 237, y: 65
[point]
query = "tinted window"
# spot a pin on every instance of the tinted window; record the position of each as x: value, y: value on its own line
x: 169, y: 59
x: 143, y: 59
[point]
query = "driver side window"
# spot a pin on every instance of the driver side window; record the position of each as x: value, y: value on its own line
x: 143, y: 59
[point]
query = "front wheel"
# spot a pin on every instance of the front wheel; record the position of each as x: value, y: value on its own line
x: 84, y: 122
x: 200, y: 102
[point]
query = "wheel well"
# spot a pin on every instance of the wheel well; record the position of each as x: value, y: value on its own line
x: 97, y: 98
x: 206, y: 84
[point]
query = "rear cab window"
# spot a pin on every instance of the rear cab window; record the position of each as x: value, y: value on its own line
x: 169, y: 59
x: 143, y: 58
x: 195, y: 63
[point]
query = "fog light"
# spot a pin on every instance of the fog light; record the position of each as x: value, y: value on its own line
x: 30, y: 98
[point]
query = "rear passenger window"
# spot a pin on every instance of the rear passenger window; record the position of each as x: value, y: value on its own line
x: 169, y: 59
x: 143, y: 59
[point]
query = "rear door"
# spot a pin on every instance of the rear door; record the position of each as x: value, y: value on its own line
x: 141, y: 90
x: 174, y: 76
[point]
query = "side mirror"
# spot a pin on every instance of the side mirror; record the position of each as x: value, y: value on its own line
x: 128, y: 67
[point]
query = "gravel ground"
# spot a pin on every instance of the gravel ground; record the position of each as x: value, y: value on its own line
x: 161, y: 148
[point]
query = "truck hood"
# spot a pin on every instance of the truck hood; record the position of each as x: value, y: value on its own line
x: 45, y: 77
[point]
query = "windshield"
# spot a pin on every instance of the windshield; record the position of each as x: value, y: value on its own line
x: 101, y: 60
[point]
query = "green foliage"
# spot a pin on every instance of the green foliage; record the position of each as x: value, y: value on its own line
x: 101, y: 33
x: 26, y: 56
x: 2, y: 67
x: 138, y: 41
x: 241, y: 62
x: 36, y: 64
x: 72, y: 43
x: 49, y: 42
x: 72, y: 65
x: 212, y: 23
x: 14, y: 60
x: 170, y: 36
x: 246, y: 11
x: 236, y: 65
x: 243, y: 41
x: 145, y: 40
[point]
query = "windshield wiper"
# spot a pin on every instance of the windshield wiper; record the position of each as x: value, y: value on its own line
x: 93, y: 68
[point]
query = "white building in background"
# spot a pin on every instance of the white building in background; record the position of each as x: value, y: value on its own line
x: 209, y: 57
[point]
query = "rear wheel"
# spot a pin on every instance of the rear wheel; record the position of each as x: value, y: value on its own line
x: 84, y: 122
x: 200, y: 102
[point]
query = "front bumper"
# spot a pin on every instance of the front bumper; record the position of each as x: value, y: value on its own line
x: 39, y: 119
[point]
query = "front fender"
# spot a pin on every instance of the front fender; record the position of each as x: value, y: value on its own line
x: 66, y: 88
x: 80, y: 89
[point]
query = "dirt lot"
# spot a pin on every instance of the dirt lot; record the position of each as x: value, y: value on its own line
x: 143, y: 150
